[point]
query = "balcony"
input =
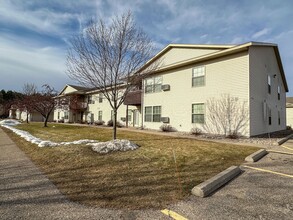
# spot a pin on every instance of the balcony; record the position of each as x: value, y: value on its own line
x: 78, y: 106
x: 133, y: 98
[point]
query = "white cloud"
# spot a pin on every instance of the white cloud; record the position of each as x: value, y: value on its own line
x: 261, y: 33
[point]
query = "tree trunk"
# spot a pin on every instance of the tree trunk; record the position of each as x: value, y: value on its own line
x: 27, y: 117
x: 115, y: 124
x: 46, y: 120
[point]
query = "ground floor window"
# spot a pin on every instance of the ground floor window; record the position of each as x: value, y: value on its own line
x: 198, y: 113
x: 270, y: 116
x: 100, y: 116
x: 66, y: 115
x: 279, y: 118
x: 153, y: 113
x: 58, y: 115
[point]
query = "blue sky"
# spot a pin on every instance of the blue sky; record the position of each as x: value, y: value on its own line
x: 34, y: 34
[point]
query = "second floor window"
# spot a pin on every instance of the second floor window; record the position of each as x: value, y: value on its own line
x: 153, y: 84
x: 269, y: 84
x: 279, y: 92
x: 90, y: 99
x: 198, y: 76
x: 100, y: 98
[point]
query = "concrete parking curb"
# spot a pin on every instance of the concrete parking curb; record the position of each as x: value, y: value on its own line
x: 206, y: 188
x: 256, y: 156
x: 285, y: 139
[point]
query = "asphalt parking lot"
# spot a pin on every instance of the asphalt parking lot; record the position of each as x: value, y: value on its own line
x: 263, y: 191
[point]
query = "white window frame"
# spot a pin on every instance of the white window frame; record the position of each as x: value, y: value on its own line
x: 200, y: 113
x: 198, y: 73
x: 153, y: 84
x: 153, y: 115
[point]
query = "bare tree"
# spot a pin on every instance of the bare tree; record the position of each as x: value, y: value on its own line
x: 226, y: 115
x: 110, y: 58
x: 28, y: 90
x: 43, y: 102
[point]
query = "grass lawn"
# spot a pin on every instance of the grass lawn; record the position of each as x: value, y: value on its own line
x: 144, y: 178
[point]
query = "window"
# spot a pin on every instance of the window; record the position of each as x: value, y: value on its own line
x: 58, y: 115
x: 279, y: 118
x: 129, y: 113
x: 198, y: 113
x: 279, y: 92
x: 148, y: 114
x: 153, y: 84
x: 90, y: 99
x: 269, y: 84
x: 100, y: 98
x: 270, y: 116
x: 198, y: 76
x: 153, y: 114
x: 100, y: 115
x: 66, y: 116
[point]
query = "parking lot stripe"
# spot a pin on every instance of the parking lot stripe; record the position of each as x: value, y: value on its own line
x: 173, y: 215
x: 287, y: 147
x: 269, y: 171
x: 279, y: 152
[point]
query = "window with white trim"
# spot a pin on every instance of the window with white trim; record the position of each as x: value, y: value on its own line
x: 66, y: 115
x: 100, y: 115
x: 198, y: 111
x: 152, y: 114
x: 198, y: 76
x: 153, y: 84
x: 100, y: 98
x: 270, y: 116
x: 269, y: 84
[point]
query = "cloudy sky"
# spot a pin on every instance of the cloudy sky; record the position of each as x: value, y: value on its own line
x: 34, y: 34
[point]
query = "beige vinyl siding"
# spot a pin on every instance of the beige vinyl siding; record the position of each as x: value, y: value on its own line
x: 227, y: 75
x: 175, y: 55
x: 289, y: 114
x: 105, y: 107
x: 263, y: 62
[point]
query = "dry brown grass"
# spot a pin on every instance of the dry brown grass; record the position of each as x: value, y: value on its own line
x: 144, y: 178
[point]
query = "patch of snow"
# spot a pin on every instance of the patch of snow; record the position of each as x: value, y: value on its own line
x: 44, y: 143
x: 115, y: 145
x: 9, y: 122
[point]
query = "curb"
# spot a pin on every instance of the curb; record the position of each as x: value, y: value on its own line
x: 256, y: 156
x: 206, y: 188
x: 285, y: 139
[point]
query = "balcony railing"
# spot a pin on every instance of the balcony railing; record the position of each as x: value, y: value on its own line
x: 133, y: 98
x: 78, y: 105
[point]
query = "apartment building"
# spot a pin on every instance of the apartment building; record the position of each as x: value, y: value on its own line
x: 189, y: 77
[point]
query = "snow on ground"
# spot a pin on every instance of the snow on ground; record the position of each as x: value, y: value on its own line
x: 9, y: 122
x: 115, y: 145
x: 102, y: 147
x: 44, y: 143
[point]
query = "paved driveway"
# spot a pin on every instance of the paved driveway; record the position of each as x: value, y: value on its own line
x: 26, y: 193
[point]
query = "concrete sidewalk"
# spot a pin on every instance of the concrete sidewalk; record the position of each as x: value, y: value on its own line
x: 26, y: 193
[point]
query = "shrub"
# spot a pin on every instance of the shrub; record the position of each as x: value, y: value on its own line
x: 196, y: 131
x: 99, y: 122
x: 233, y: 135
x: 288, y: 128
x: 166, y: 128
x: 118, y: 124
